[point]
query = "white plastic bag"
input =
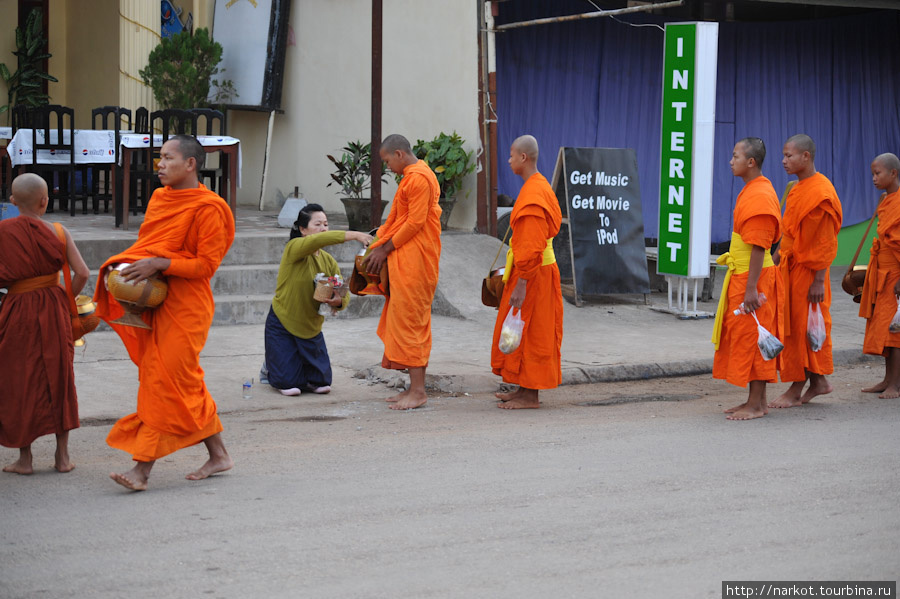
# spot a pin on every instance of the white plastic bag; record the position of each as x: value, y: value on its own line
x: 895, y: 322
x: 769, y: 345
x: 815, y: 327
x: 511, y: 332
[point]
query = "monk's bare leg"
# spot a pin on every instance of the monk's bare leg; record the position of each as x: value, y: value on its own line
x: 756, y: 403
x: 414, y: 397
x: 791, y: 397
x: 63, y: 463
x: 136, y: 478
x: 818, y: 385
x: 23, y: 465
x: 892, y: 373
x: 526, y: 400
x: 219, y: 460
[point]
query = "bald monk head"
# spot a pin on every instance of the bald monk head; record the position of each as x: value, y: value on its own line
x: 800, y: 156
x: 523, y: 155
x: 29, y: 194
x: 886, y: 172
x: 181, y: 159
x: 396, y: 153
x: 747, y: 158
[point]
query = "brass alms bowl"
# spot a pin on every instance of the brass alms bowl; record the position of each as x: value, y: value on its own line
x: 135, y: 297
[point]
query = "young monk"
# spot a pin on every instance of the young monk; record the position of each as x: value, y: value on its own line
x: 812, y: 220
x: 531, y: 286
x: 36, y: 351
x: 879, y: 297
x: 410, y: 242
x: 751, y: 274
x: 186, y: 232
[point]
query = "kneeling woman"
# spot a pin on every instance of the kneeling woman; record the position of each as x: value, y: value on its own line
x: 296, y: 356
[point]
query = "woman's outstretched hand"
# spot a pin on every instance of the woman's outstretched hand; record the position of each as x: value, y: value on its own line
x: 359, y: 236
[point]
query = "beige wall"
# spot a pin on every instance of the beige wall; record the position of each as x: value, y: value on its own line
x: 429, y: 85
x: 92, y: 74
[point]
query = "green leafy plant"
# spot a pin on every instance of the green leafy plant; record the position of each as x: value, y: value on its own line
x: 354, y: 169
x: 181, y: 68
x: 449, y: 161
x: 25, y: 85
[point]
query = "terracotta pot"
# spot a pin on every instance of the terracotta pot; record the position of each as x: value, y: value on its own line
x: 359, y: 213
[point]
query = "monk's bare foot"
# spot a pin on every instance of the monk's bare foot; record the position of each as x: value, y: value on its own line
x: 876, y: 388
x: 400, y: 396
x: 20, y: 466
x: 822, y: 387
x: 891, y: 392
x: 410, y: 400
x: 130, y: 480
x: 66, y: 465
x: 736, y: 408
x: 786, y: 400
x: 508, y: 395
x: 747, y: 413
x: 521, y: 403
x: 212, y: 466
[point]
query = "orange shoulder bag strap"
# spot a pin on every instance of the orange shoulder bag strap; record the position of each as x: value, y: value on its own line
x: 67, y: 275
x: 865, y: 235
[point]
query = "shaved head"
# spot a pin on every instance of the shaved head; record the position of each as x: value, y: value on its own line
x: 804, y: 143
x: 754, y: 148
x: 888, y: 161
x: 28, y: 190
x: 527, y: 145
x: 395, y: 142
x: 189, y: 147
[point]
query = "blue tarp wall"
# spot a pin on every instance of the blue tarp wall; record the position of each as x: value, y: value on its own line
x: 596, y: 83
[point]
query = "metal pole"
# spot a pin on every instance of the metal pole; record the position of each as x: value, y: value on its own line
x: 376, y: 112
x: 591, y: 15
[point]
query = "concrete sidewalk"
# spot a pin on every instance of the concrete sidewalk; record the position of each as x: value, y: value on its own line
x: 618, y: 338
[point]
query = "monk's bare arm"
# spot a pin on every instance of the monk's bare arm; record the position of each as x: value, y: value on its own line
x: 817, y: 287
x: 378, y: 256
x: 751, y: 297
x: 81, y: 272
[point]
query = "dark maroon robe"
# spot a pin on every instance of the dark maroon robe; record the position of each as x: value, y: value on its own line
x: 37, y: 377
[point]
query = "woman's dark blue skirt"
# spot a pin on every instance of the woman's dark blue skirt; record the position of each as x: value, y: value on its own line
x: 295, y: 362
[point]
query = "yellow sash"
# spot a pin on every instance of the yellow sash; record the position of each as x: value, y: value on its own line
x: 548, y: 258
x: 737, y: 259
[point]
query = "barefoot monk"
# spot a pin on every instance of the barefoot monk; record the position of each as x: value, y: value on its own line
x: 186, y: 232
x: 878, y: 304
x: 410, y: 242
x: 532, y: 286
x: 812, y: 220
x: 36, y: 353
x: 752, y: 280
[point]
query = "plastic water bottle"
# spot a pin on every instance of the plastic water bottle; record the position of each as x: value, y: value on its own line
x: 248, y: 389
x: 741, y: 310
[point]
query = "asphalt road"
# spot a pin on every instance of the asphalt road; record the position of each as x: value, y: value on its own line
x: 636, y: 489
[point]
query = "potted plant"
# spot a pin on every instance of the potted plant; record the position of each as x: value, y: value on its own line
x: 25, y: 85
x: 450, y: 163
x: 181, y: 68
x: 353, y: 172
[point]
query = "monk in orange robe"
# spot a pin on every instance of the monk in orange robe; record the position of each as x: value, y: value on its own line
x: 878, y: 304
x: 186, y: 232
x: 812, y: 220
x: 410, y: 242
x: 36, y: 351
x: 532, y: 286
x: 753, y: 284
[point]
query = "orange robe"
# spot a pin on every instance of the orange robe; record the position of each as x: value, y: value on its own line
x: 536, y: 363
x: 36, y: 372
x: 414, y: 225
x: 194, y: 228
x: 757, y: 219
x: 812, y: 220
x: 878, y: 303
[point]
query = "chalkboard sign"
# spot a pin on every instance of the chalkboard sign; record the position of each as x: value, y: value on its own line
x: 599, y: 193
x: 254, y: 36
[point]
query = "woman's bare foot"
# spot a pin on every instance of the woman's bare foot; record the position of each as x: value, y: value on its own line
x: 891, y: 392
x: 213, y: 465
x: 23, y: 465
x: 876, y: 388
x: 410, y: 401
